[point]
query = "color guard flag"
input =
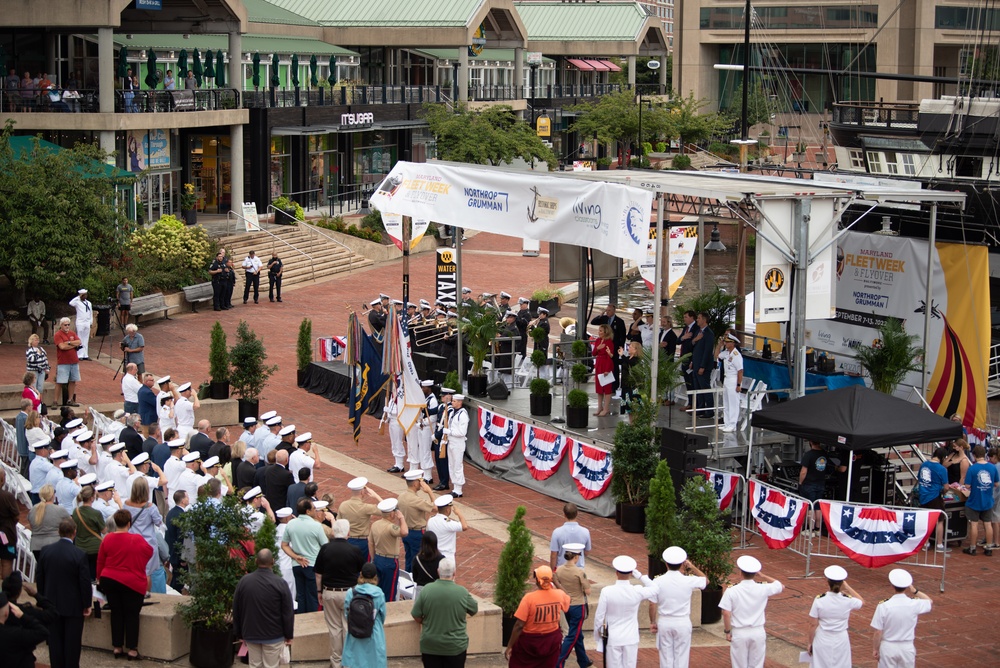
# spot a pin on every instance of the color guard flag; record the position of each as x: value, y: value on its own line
x: 779, y: 516
x: 330, y: 347
x: 497, y: 435
x: 543, y: 451
x: 590, y: 468
x: 723, y: 483
x: 875, y: 536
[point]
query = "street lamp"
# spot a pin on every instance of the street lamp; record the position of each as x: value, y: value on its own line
x: 652, y: 65
x: 715, y: 240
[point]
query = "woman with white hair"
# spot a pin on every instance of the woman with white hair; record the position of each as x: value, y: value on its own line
x: 132, y: 345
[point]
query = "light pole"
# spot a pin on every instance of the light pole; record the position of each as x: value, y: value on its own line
x: 652, y: 65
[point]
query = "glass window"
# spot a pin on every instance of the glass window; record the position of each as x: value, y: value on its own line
x: 909, y: 165
x: 857, y: 159
x: 875, y: 165
x: 790, y: 17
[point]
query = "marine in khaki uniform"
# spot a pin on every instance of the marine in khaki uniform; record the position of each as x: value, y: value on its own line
x: 416, y: 510
x: 358, y: 510
x: 383, y: 542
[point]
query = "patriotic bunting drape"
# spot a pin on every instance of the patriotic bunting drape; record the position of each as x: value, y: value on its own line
x: 497, y: 435
x: 779, y: 516
x: 874, y: 536
x: 331, y: 347
x: 590, y: 467
x: 724, y: 484
x: 543, y: 451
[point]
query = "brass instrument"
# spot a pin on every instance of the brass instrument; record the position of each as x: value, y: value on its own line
x: 433, y: 331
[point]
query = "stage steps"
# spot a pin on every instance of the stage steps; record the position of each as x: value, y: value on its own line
x: 306, y: 255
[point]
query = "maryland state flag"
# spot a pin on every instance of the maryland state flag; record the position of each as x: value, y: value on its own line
x: 367, y: 379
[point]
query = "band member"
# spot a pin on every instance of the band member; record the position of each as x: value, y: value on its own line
x: 440, y: 443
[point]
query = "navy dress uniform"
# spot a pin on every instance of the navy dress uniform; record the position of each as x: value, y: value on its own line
x: 895, y: 622
x: 384, y: 545
x: 440, y: 448
x: 743, y: 606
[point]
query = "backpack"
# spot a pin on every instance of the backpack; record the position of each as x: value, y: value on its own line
x: 361, y: 615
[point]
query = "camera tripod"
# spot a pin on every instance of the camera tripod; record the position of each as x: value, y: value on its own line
x: 117, y: 318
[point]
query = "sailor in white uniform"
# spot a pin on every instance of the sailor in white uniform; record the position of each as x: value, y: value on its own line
x: 895, y: 622
x: 84, y: 320
x: 285, y: 563
x: 119, y: 469
x: 108, y: 502
x: 732, y: 367
x: 184, y: 407
x: 397, y: 437
x: 829, y: 617
x: 617, y: 611
x: 743, y: 606
x: 420, y: 456
x: 173, y: 468
x: 268, y: 439
x: 670, y: 611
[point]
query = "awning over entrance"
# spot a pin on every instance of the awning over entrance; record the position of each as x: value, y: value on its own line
x: 580, y: 64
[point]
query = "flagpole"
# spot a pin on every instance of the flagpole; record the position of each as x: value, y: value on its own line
x: 458, y: 234
x: 407, y: 223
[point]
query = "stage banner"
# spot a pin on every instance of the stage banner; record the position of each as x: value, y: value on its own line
x: 590, y: 468
x: 418, y: 228
x: 447, y: 276
x: 611, y: 217
x: 724, y: 484
x: 367, y: 379
x: 778, y: 516
x: 683, y: 244
x: 875, y: 536
x: 330, y: 347
x: 497, y: 435
x: 543, y: 451
x: 881, y: 277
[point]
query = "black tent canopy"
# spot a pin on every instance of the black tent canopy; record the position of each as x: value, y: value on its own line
x: 856, y: 418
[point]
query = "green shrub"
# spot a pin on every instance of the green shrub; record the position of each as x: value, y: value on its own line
x: 451, y: 380
x: 543, y: 294
x: 579, y: 349
x: 337, y: 224
x: 163, y: 257
x: 303, y: 347
x: 218, y: 355
x: 661, y: 147
x: 641, y: 163
x: 248, y: 374
x: 538, y: 358
x: 373, y: 221
x: 578, y: 399
x: 604, y: 162
x: 635, y: 455
x: 539, y: 386
x: 514, y: 565
x: 579, y: 372
x: 702, y: 533
x: 662, y: 528
x: 290, y: 206
x: 681, y: 162
x: 647, y: 148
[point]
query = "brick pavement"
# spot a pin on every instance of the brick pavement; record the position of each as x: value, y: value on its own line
x: 180, y: 346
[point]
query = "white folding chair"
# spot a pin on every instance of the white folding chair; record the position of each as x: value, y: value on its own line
x: 25, y: 560
x: 405, y: 587
x: 751, y: 399
x: 16, y: 484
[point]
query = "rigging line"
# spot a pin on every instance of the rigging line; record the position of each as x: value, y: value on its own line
x: 871, y: 40
x: 778, y: 69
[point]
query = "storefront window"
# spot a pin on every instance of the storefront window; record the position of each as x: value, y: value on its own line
x: 281, y: 166
x: 372, y: 163
x: 323, y: 167
x: 211, y: 164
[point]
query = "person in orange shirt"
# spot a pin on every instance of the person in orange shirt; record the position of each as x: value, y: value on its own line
x: 536, y: 638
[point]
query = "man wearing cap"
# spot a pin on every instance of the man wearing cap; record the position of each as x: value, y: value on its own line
x: 419, y: 454
x: 337, y: 568
x: 383, y: 542
x: 67, y: 488
x: 249, y: 427
x: 184, y: 407
x: 357, y: 510
x: 305, y: 456
x: 536, y: 637
x: 192, y: 477
x: 67, y: 361
x: 256, y: 509
x: 445, y: 528
x: 84, y: 320
x: 285, y: 563
x: 670, y: 610
x: 571, y: 579
x: 569, y: 532
x: 397, y: 437
x: 287, y: 438
x: 303, y: 538
x: 505, y: 354
x: 543, y: 323
x: 743, y: 606
x: 108, y: 502
x: 141, y: 466
x: 119, y: 469
x: 895, y: 622
x: 829, y: 642
x: 83, y: 450
x: 174, y: 467
x: 40, y: 468
x: 277, y: 480
x: 415, y: 510
x: 63, y: 577
x: 439, y: 444
x: 73, y: 427
x: 55, y: 476
x: 376, y: 317
x: 458, y: 429
x: 616, y: 626
x: 522, y: 318
x: 251, y: 273
x: 267, y: 440
x: 732, y: 372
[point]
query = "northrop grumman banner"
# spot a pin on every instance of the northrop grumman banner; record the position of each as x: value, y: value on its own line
x: 610, y: 217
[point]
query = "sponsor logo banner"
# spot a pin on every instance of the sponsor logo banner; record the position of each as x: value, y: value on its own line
x: 590, y: 467
x: 779, y: 517
x: 447, y: 275
x: 875, y: 536
x: 497, y: 435
x: 543, y: 451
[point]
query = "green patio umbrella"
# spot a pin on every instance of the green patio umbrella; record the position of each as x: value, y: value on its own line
x: 220, y: 70
x: 331, y: 76
x: 313, y: 66
x: 295, y: 70
x: 275, y: 79
x: 256, y: 71
x: 182, y: 67
x: 198, y: 70
x: 122, y: 62
x: 209, y: 64
x: 152, y: 75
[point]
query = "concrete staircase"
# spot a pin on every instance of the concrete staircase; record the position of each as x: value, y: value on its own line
x: 307, y: 254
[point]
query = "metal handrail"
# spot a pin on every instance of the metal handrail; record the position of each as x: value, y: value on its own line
x: 312, y: 261
x: 315, y: 230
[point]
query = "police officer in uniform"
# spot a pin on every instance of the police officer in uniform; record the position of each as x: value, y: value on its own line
x: 358, y: 510
x: 895, y: 622
x: 439, y: 444
x: 275, y: 268
x: 616, y: 625
x: 219, y: 281
x: 743, y: 606
x: 670, y: 611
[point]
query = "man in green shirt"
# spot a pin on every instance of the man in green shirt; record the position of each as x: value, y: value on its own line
x: 441, y: 610
x: 303, y: 538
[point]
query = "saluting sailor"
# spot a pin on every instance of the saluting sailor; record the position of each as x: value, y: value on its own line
x: 895, y: 622
x: 828, y: 618
x: 670, y: 611
x: 616, y: 625
x: 357, y: 510
x: 732, y: 369
x: 743, y: 606
x: 420, y: 447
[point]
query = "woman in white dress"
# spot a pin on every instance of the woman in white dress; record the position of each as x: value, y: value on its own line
x: 830, y: 646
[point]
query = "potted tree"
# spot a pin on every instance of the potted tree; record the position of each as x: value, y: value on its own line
x: 603, y: 164
x: 303, y: 350
x: 634, y: 455
x: 248, y: 374
x: 662, y: 528
x: 218, y: 363
x: 890, y: 358
x: 718, y: 304
x: 706, y: 540
x: 577, y: 400
x: 189, y: 200
x: 513, y: 569
x: 540, y: 398
x: 451, y: 381
x: 544, y: 297
x: 480, y: 329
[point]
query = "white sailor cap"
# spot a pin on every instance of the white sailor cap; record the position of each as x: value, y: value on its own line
x: 117, y: 447
x: 748, y: 564
x: 447, y: 390
x: 106, y: 439
x: 487, y: 295
x: 410, y: 305
x: 382, y: 295
x: 268, y: 415
x: 161, y: 381
x: 74, y: 423
x: 69, y: 464
x: 140, y: 459
x: 623, y: 564
x: 424, y: 302
x: 210, y: 462
x: 285, y: 431
x: 253, y: 493
x: 510, y: 314
x: 276, y: 420
x: 523, y: 300
x: 415, y: 474
x: 397, y: 302
x: 87, y: 479
x: 542, y: 309
x: 357, y: 484
x: 176, y: 443
x: 282, y: 513
x: 900, y: 578
x: 458, y: 397
x: 40, y: 445
x: 575, y: 548
x: 387, y: 505
x: 104, y: 486
x: 440, y: 312
x: 451, y: 314
x: 59, y: 454
x: 466, y: 291
x: 84, y: 436
x: 118, y: 414
x: 192, y: 457
x: 249, y: 421
x: 320, y: 505
x: 427, y: 383
x: 835, y: 573
x: 504, y: 295
x: 444, y: 500
x: 184, y: 387
x: 439, y: 302
x: 733, y: 337
x: 304, y: 437
x: 675, y: 556
x: 81, y: 291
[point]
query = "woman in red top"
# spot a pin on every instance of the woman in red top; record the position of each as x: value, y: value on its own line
x: 604, y: 355
x: 29, y: 391
x: 121, y: 570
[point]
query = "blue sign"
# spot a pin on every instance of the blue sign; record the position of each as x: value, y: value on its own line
x: 154, y: 5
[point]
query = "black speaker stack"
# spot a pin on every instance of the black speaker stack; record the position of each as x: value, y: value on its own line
x: 430, y: 367
x: 679, y: 449
x: 497, y: 390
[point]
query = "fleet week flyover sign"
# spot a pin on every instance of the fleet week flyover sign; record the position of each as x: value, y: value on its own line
x: 610, y: 217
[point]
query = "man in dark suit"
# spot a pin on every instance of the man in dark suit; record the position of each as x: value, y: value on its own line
x: 687, y: 347
x: 201, y: 442
x: 702, y: 362
x: 277, y: 480
x: 64, y: 578
x: 131, y: 437
x: 618, y: 334
x: 247, y: 469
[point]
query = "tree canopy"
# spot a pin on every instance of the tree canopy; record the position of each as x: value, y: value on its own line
x: 490, y: 136
x: 60, y: 215
x: 687, y: 122
x: 615, y: 118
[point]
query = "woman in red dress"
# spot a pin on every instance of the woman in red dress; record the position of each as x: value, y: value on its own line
x: 604, y: 352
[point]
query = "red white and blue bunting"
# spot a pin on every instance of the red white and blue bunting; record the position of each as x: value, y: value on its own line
x: 498, y: 435
x: 875, y: 536
x: 724, y: 484
x: 590, y: 467
x: 778, y: 515
x: 331, y: 347
x: 543, y: 451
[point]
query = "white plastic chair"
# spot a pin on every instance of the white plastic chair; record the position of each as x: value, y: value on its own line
x: 751, y: 399
x: 405, y: 587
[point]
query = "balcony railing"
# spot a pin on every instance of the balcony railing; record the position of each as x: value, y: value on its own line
x: 126, y: 102
x: 877, y: 115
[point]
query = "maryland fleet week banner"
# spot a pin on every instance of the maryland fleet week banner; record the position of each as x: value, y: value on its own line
x: 683, y: 244
x: 882, y: 276
x: 610, y: 217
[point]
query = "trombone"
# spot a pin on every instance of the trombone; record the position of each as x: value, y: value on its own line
x: 439, y: 330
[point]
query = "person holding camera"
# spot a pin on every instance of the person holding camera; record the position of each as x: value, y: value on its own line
x: 274, y: 270
x: 67, y: 361
x: 133, y: 345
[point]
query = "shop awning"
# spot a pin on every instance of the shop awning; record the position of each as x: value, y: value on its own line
x: 611, y: 67
x: 300, y: 131
x: 581, y: 64
x: 599, y: 65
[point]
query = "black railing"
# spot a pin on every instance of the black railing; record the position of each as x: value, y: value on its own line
x: 30, y: 100
x: 126, y: 101
x: 877, y: 115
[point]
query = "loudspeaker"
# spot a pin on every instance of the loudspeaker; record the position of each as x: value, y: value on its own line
x: 103, y: 319
x: 497, y: 390
x: 680, y: 441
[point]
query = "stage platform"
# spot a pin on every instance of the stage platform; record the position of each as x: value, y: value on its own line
x: 333, y: 381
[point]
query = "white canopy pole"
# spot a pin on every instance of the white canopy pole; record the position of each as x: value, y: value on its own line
x: 661, y: 247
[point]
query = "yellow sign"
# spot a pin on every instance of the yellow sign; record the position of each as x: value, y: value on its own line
x: 774, y: 279
x: 543, y: 126
x: 478, y: 41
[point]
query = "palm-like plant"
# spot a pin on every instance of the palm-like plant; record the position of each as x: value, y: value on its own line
x: 890, y: 357
x: 479, y: 326
x: 720, y: 307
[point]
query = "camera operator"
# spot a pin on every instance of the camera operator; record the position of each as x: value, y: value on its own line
x: 132, y: 346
